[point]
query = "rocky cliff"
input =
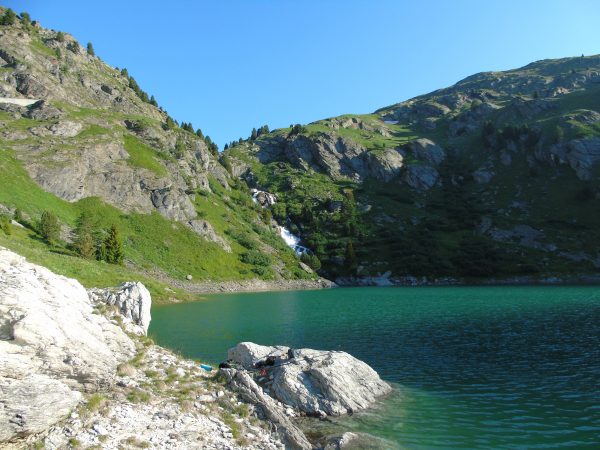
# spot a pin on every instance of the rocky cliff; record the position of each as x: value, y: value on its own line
x: 444, y: 185
x: 81, y: 137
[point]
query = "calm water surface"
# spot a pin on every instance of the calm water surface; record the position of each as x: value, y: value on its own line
x: 474, y: 367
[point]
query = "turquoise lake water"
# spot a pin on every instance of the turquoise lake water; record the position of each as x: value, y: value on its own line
x: 473, y: 367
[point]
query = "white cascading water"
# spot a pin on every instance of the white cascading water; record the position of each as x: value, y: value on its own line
x: 290, y: 239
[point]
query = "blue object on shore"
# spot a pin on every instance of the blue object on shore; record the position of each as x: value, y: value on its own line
x: 206, y: 367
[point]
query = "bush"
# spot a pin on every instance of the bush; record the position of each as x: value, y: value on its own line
x: 311, y: 260
x: 5, y: 225
x: 9, y: 18
x: 49, y: 227
x: 255, y: 258
x: 60, y: 36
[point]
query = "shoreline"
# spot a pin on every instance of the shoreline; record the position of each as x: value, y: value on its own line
x: 254, y: 285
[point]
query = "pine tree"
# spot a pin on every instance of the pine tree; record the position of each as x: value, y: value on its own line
x: 199, y: 133
x: 90, y: 49
x: 112, y: 248
x: 85, y: 236
x: 49, y: 227
x: 124, y: 72
x: 254, y: 134
x: 153, y: 101
x: 26, y: 18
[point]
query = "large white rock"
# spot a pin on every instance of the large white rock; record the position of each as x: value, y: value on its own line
x: 133, y: 301
x: 52, y: 346
x: 314, y: 381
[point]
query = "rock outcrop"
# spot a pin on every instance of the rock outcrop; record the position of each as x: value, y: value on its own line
x: 52, y: 346
x: 318, y: 383
x: 133, y: 302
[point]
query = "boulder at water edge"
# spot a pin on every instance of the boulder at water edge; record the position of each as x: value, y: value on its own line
x: 315, y: 382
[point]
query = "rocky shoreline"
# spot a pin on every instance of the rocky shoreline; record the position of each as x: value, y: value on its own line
x: 78, y: 371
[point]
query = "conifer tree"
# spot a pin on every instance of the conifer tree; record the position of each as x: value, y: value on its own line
x: 112, y: 248
x: 49, y: 227
x: 90, y: 49
x: 85, y: 236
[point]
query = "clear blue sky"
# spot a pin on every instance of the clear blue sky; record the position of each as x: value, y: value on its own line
x: 230, y: 65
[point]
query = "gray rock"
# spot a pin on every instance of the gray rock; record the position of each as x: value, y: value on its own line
x: 204, y: 229
x: 427, y: 151
x: 316, y: 382
x: 420, y: 177
x: 51, y: 346
x: 43, y: 111
x: 250, y: 392
x: 66, y: 128
x: 32, y: 404
x: 173, y: 203
x: 132, y: 299
x: 385, y: 165
x: 581, y: 154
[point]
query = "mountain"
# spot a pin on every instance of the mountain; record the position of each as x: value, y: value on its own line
x: 496, y: 176
x: 78, y: 136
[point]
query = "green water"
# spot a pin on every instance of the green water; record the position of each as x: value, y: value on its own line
x: 473, y: 367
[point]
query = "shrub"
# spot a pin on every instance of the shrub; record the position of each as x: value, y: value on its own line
x: 60, y: 36
x: 9, y: 17
x: 311, y: 260
x: 255, y: 258
x: 49, y: 227
x: 5, y: 225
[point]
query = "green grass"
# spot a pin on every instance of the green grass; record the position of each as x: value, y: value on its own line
x: 39, y: 47
x: 93, y: 130
x: 141, y: 155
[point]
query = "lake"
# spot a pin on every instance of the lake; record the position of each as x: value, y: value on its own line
x: 473, y: 367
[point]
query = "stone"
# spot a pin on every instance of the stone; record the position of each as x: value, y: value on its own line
x: 314, y: 381
x: 420, y: 177
x: 43, y: 111
x: 173, y: 204
x: 32, y: 404
x: 188, y: 277
x: 131, y: 298
x: 52, y: 345
x: 268, y: 407
x: 204, y: 229
x: 427, y: 151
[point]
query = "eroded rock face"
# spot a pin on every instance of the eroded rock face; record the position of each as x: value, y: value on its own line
x: 420, y: 177
x: 52, y: 346
x: 314, y: 381
x: 133, y: 301
x: 204, y: 229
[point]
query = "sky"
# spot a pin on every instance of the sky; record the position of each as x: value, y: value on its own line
x: 230, y: 65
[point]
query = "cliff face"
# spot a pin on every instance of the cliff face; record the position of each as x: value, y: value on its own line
x: 79, y: 136
x: 494, y: 176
